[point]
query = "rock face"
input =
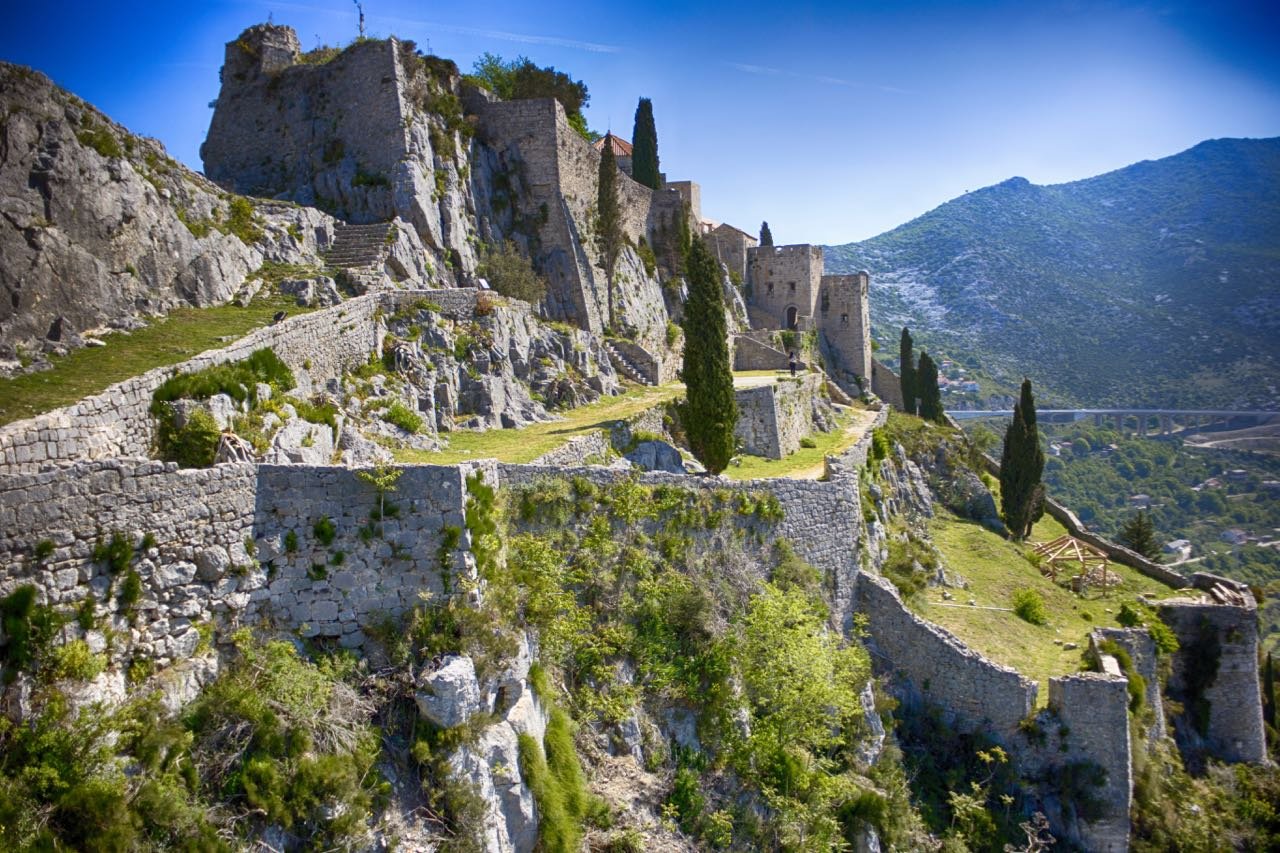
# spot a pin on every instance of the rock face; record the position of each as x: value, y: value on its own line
x: 101, y: 227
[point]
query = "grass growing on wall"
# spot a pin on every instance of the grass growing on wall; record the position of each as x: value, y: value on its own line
x: 181, y: 334
x: 997, y: 570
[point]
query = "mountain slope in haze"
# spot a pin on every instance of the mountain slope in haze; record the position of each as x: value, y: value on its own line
x: 1154, y: 285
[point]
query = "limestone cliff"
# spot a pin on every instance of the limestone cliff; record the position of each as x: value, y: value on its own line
x: 99, y: 227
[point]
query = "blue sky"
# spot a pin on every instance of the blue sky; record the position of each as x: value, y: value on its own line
x: 833, y: 121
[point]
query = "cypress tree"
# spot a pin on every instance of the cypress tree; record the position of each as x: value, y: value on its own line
x: 644, y: 146
x: 1021, y: 464
x: 709, y: 413
x: 1269, y: 694
x: 908, y: 371
x: 1139, y: 534
x: 926, y: 380
x: 766, y: 236
x: 609, y: 220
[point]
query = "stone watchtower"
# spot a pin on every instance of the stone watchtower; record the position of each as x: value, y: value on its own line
x: 844, y: 318
x: 784, y: 284
x: 788, y: 290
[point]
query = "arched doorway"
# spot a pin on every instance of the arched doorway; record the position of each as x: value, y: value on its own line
x: 791, y: 317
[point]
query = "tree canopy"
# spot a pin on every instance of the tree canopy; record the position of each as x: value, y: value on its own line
x: 926, y: 380
x: 907, y: 370
x: 609, y: 220
x: 1021, y: 464
x: 520, y: 79
x: 766, y: 236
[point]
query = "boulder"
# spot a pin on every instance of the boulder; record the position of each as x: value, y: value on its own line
x: 450, y: 694
x: 656, y: 456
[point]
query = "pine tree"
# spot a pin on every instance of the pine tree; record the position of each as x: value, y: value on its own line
x: 1139, y: 534
x: 709, y: 413
x: 644, y: 146
x: 766, y: 236
x: 609, y: 221
x: 1021, y: 465
x: 926, y: 380
x: 908, y: 370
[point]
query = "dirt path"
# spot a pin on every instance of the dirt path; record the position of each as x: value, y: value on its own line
x: 854, y: 431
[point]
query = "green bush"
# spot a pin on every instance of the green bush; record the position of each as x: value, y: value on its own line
x: 238, y: 380
x: 44, y: 549
x: 116, y: 553
x: 194, y: 445
x: 325, y: 531
x: 243, y: 222
x: 99, y: 138
x: 511, y: 274
x: 809, y: 442
x: 75, y: 661
x: 398, y: 414
x: 558, y: 785
x: 1028, y: 604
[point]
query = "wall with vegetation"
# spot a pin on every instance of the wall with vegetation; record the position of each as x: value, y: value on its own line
x: 1215, y: 677
x: 138, y: 555
x: 939, y: 668
x: 821, y: 521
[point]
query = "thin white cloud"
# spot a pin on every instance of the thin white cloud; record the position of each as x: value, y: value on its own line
x: 766, y: 71
x: 500, y: 35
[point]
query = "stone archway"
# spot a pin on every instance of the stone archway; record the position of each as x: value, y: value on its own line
x: 792, y: 315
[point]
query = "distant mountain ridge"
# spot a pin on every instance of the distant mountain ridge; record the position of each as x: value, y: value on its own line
x: 1157, y: 284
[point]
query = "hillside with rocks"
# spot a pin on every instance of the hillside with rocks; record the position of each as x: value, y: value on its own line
x: 1154, y: 285
x: 422, y: 548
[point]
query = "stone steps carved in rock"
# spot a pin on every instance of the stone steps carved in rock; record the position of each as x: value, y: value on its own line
x: 357, y: 247
x: 625, y: 366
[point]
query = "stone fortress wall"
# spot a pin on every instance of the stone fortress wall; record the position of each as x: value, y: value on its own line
x: 773, y: 418
x: 317, y: 347
x: 844, y: 319
x: 264, y: 146
x: 236, y: 544
x: 729, y: 246
x: 784, y: 278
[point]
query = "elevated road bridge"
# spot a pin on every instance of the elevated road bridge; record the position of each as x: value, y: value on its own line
x: 1140, y: 421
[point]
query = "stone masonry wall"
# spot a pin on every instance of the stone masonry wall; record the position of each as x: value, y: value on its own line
x: 116, y: 423
x: 1094, y: 708
x: 844, y: 319
x: 773, y: 418
x: 783, y: 277
x: 1234, y: 731
x: 222, y: 546
x: 886, y: 385
x: 939, y: 668
x: 822, y: 521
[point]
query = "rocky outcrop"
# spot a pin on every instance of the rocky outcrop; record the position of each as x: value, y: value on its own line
x: 101, y: 228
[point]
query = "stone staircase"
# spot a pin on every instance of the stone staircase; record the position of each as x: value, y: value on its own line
x: 624, y: 365
x: 360, y: 250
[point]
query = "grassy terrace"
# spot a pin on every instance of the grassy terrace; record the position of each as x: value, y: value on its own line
x: 184, y: 333
x: 807, y: 462
x: 994, y: 568
x: 528, y: 443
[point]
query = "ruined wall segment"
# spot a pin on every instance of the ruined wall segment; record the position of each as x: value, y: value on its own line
x: 1223, y: 704
x: 730, y: 246
x: 773, y: 418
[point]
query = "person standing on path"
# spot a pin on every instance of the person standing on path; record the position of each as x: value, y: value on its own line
x: 792, y: 363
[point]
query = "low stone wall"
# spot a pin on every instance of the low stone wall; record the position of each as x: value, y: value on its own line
x: 821, y: 521
x: 578, y: 450
x: 750, y: 354
x: 317, y: 346
x: 856, y: 456
x: 939, y: 668
x: 773, y: 418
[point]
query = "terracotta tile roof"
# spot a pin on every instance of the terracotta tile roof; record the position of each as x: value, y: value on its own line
x: 621, y: 147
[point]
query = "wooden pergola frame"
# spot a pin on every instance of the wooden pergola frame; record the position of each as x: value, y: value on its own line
x: 1067, y: 550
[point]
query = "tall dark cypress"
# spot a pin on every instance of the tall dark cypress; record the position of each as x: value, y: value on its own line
x: 766, y: 236
x: 1021, y: 466
x: 709, y: 413
x: 609, y: 220
x: 907, y: 370
x: 926, y: 382
x: 644, y: 146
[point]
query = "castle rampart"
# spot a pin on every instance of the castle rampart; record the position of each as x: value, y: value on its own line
x: 773, y: 418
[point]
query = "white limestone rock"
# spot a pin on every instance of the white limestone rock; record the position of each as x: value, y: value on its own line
x: 450, y: 694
